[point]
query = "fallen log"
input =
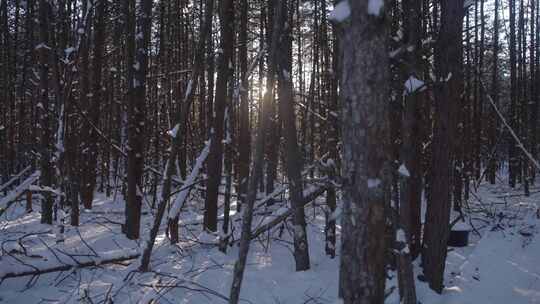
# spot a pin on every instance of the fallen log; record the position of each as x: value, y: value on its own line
x: 17, y: 192
x: 308, y: 198
x: 14, y: 178
x: 12, y: 197
x: 66, y: 267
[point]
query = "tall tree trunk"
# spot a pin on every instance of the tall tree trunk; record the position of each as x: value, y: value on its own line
x: 512, y: 153
x: 90, y: 148
x: 274, y: 125
x: 136, y: 116
x: 216, y: 148
x: 244, y: 136
x: 492, y: 138
x: 364, y: 132
x: 448, y: 62
x: 406, y: 219
x: 533, y: 105
x: 293, y: 158
x: 332, y: 142
x: 84, y: 30
x: 411, y: 149
x: 523, y: 107
x: 43, y: 108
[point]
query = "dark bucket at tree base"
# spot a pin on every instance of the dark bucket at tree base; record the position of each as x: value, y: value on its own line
x: 458, y: 238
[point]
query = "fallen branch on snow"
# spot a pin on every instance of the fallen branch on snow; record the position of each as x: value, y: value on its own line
x: 9, y: 199
x: 94, y: 262
x: 14, y: 178
x: 308, y: 198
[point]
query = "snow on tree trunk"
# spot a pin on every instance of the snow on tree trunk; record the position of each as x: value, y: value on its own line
x: 136, y: 116
x: 411, y: 149
x: 43, y: 110
x: 165, y: 196
x: 364, y: 130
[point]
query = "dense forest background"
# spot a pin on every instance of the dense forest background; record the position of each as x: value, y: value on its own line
x: 235, y: 105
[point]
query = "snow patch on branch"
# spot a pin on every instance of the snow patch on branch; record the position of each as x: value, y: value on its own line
x: 400, y: 236
x: 404, y: 171
x: 14, y: 194
x: 402, y: 239
x: 174, y: 131
x: 190, y: 181
x: 468, y: 3
x: 375, y: 7
x: 373, y: 183
x: 68, y: 51
x: 341, y: 12
x: 42, y: 46
x: 413, y: 84
x: 188, y: 90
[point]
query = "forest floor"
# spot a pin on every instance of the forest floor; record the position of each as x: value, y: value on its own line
x: 501, y: 265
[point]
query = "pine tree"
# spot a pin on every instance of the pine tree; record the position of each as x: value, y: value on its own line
x: 364, y: 133
x: 448, y: 63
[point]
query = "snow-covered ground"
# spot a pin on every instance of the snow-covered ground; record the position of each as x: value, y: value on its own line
x: 502, y: 264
